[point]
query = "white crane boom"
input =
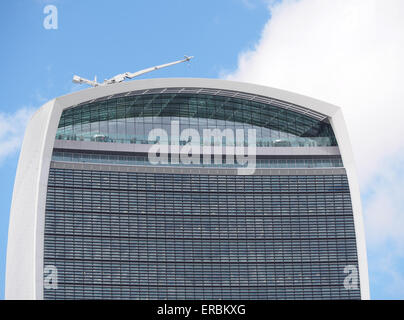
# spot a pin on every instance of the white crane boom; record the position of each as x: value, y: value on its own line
x: 138, y: 73
x: 80, y: 80
x: 127, y: 75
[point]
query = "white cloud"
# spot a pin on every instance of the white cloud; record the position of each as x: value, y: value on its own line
x: 12, y: 128
x: 345, y: 52
x: 383, y: 203
x: 349, y: 53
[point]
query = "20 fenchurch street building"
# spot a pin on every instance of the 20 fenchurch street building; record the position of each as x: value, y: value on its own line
x: 93, y: 218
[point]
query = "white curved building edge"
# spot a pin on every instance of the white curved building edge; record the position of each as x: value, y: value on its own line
x: 24, y: 269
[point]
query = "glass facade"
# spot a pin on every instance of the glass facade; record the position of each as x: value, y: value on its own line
x: 122, y: 235
x: 142, y: 160
x: 130, y: 119
x: 124, y: 232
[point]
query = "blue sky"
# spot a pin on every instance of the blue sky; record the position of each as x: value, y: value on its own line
x: 248, y: 40
x: 104, y: 38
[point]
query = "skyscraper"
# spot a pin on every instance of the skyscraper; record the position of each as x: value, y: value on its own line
x: 93, y: 217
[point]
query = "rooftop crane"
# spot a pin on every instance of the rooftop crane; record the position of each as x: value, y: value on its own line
x: 127, y: 75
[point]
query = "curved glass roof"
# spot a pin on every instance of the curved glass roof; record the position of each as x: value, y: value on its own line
x: 129, y: 119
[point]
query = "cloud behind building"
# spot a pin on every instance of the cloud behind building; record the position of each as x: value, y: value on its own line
x: 349, y: 53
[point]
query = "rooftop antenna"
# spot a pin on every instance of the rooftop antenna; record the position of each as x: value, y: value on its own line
x: 127, y: 75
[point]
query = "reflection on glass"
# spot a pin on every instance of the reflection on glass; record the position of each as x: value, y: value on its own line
x: 331, y: 162
x: 130, y: 119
